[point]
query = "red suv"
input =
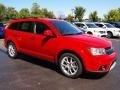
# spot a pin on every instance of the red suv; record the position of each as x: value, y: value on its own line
x: 60, y: 42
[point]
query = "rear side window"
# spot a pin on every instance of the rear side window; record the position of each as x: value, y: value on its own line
x: 26, y: 26
x: 14, y: 26
x: 99, y: 25
x: 41, y: 27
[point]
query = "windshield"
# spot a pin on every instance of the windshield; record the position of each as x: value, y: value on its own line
x: 91, y: 26
x: 66, y: 28
x: 109, y: 26
x: 118, y: 23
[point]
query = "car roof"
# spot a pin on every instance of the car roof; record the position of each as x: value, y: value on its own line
x: 41, y: 19
x: 85, y: 22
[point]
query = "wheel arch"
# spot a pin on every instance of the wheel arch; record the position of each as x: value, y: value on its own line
x: 89, y: 32
x: 111, y: 33
x: 13, y: 43
x: 69, y: 51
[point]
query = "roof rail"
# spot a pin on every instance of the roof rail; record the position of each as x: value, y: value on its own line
x: 14, y: 18
x: 23, y: 18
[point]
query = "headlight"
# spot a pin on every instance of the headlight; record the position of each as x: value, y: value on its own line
x: 97, y: 51
x: 96, y: 31
x: 116, y: 30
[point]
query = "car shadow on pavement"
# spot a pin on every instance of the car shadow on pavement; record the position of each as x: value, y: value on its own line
x: 52, y: 66
x: 92, y: 75
x: 115, y: 38
x: 39, y: 62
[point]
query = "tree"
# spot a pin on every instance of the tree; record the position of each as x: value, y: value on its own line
x: 47, y: 14
x: 79, y: 13
x: 70, y: 18
x: 119, y: 9
x: 51, y: 15
x: 93, y: 16
x: 35, y: 11
x: 23, y: 13
x: 11, y: 13
x: 43, y: 12
x: 113, y: 15
x: 2, y: 11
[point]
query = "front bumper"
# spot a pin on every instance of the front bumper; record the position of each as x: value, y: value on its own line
x: 103, y: 63
x: 116, y: 34
x: 100, y: 34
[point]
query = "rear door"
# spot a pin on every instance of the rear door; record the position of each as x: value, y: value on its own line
x: 13, y: 33
x: 26, y: 29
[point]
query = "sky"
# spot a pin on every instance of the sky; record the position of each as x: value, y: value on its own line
x: 65, y: 6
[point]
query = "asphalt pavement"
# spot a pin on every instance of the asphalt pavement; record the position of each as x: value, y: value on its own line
x: 28, y: 73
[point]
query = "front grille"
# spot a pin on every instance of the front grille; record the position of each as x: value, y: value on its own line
x: 102, y: 31
x: 109, y: 50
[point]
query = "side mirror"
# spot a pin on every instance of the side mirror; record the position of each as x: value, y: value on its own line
x: 48, y: 33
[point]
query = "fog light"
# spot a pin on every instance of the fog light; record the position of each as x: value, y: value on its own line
x: 102, y: 68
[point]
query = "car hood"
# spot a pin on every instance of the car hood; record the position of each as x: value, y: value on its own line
x: 90, y: 40
x: 96, y: 29
x: 113, y: 29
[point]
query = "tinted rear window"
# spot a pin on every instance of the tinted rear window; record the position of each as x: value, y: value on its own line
x: 26, y: 26
x: 14, y: 26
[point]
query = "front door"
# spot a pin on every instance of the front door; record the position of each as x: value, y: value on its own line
x: 44, y: 46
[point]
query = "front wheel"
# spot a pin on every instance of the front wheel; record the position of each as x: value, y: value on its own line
x: 90, y: 33
x: 110, y: 35
x: 70, y: 65
x: 11, y: 49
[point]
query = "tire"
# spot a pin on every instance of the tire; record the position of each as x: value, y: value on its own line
x: 70, y: 65
x: 110, y: 35
x: 89, y: 33
x: 11, y: 50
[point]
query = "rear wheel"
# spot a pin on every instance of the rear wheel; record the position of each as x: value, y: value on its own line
x: 70, y: 65
x: 11, y: 49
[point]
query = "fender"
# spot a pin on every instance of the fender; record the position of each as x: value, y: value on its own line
x: 13, y: 41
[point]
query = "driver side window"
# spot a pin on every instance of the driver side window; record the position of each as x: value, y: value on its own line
x: 41, y: 27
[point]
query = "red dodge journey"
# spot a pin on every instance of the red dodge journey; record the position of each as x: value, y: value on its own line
x: 62, y: 43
